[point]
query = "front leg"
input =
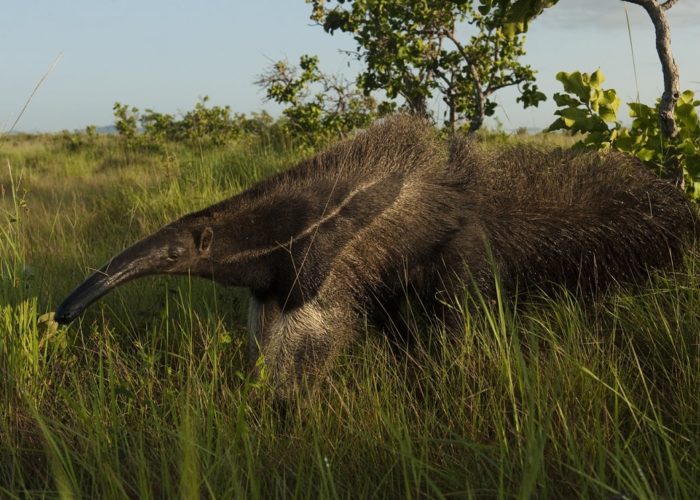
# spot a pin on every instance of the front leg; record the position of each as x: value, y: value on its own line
x: 262, y: 315
x: 300, y: 344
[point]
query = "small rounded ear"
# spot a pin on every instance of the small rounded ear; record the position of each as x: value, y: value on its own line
x: 205, y: 239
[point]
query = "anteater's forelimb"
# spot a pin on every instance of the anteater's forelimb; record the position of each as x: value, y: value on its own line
x: 296, y: 347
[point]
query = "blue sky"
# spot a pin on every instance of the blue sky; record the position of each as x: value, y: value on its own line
x: 164, y: 54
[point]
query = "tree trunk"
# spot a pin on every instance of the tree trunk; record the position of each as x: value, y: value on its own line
x: 478, y: 119
x: 672, y: 92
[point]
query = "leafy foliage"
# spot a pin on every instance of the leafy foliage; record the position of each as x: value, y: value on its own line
x: 514, y: 15
x: 73, y: 141
x: 209, y: 126
x: 319, y: 106
x: 587, y: 108
x: 126, y: 121
x: 202, y: 127
x: 414, y: 50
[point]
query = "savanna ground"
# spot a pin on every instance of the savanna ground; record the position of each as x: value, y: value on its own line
x: 146, y: 396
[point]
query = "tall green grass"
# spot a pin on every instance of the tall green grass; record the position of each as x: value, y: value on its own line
x: 147, y: 395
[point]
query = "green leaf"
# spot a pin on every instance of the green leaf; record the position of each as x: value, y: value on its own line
x: 688, y: 120
x: 597, y: 78
x: 687, y: 97
x: 645, y: 154
x: 607, y: 114
x: 640, y: 110
x: 692, y: 163
x: 695, y: 191
x: 557, y: 124
x: 573, y: 113
x: 687, y: 147
x: 565, y: 100
x: 609, y: 98
x: 575, y: 83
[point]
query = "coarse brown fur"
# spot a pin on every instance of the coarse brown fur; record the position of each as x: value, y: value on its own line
x: 393, y: 210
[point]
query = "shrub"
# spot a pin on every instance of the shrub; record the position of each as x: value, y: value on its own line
x: 586, y: 108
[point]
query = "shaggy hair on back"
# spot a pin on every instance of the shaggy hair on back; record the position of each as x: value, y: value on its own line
x: 579, y: 219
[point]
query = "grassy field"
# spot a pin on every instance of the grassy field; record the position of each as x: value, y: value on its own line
x: 146, y: 396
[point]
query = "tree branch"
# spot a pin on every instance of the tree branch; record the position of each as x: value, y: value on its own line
x: 493, y: 88
x: 668, y: 4
x: 474, y: 74
x: 664, y: 6
x: 448, y: 98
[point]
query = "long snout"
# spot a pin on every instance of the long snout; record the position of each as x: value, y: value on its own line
x: 138, y: 260
x: 94, y: 287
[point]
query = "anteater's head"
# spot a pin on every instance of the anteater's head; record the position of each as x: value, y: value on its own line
x: 183, y: 247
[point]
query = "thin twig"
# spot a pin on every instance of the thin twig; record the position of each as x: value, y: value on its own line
x: 634, y: 63
x: 31, y: 96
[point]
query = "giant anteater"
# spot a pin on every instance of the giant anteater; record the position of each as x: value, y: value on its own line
x: 395, y: 208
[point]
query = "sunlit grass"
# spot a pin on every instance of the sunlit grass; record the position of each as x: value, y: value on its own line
x: 147, y: 395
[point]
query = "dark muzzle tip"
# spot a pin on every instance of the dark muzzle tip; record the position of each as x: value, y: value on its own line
x: 64, y: 317
x: 61, y: 320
